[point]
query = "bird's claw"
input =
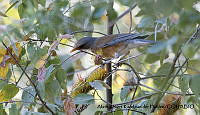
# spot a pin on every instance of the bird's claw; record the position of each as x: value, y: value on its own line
x: 98, y: 60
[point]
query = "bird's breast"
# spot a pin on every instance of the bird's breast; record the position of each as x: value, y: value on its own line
x: 109, y: 52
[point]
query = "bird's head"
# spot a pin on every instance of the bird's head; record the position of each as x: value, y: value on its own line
x: 84, y: 43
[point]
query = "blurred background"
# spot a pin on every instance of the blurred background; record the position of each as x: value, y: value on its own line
x: 32, y: 30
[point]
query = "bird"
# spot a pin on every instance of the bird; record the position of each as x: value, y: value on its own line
x: 114, y: 45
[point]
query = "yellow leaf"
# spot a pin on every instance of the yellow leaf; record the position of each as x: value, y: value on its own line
x: 19, y: 48
x: 1, y: 59
x: 2, y: 51
x: 4, y: 71
x: 8, y: 92
x: 104, y: 17
x: 12, y: 14
x: 64, y: 41
x: 41, y: 62
x: 15, y: 53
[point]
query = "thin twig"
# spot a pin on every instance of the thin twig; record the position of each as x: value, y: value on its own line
x: 157, y: 90
x: 194, y: 36
x: 117, y: 28
x: 22, y: 73
x: 102, y: 98
x: 167, y: 79
x: 35, y: 87
x: 12, y: 101
x: 135, y: 72
x: 131, y: 22
x: 122, y: 15
x: 137, y: 99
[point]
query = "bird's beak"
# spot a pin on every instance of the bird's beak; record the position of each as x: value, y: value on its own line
x: 74, y: 49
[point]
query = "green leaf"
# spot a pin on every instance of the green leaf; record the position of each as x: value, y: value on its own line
x: 112, y: 14
x: 61, y: 3
x: 184, y: 82
x: 81, y: 11
x: 53, y: 61
x: 51, y: 34
x: 41, y: 31
x: 52, y: 90
x: 125, y: 91
x: 49, y: 71
x: 61, y: 77
x: 193, y: 66
x: 99, y: 3
x: 28, y: 95
x: 98, y: 13
x: 157, y: 47
x: 189, y: 50
x: 51, y: 17
x: 140, y: 13
x: 165, y: 7
x: 164, y: 69
x: 2, y: 110
x: 2, y: 84
x: 84, y: 99
x: 26, y: 9
x: 194, y: 84
x: 35, y: 53
x: 42, y: 2
x: 8, y: 92
x: 191, y: 18
x: 118, y: 112
x: 35, y: 3
x: 146, y: 22
x: 163, y: 56
x: 151, y: 58
x: 98, y: 113
x: 99, y: 85
x: 147, y: 7
x: 162, y: 45
x: 41, y: 89
x: 188, y: 4
x: 13, y: 110
x: 80, y: 16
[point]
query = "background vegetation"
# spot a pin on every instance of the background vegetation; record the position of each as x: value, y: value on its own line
x: 39, y: 75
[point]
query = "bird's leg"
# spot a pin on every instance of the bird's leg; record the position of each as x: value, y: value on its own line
x: 98, y: 60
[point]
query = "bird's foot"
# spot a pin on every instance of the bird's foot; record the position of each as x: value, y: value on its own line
x: 98, y: 60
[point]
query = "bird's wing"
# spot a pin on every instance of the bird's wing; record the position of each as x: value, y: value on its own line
x: 118, y: 38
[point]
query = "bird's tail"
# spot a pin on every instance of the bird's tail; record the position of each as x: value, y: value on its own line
x: 140, y: 42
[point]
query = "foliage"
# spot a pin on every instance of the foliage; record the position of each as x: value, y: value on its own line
x: 35, y: 58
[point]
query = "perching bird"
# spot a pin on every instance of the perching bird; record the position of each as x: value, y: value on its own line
x: 112, y: 46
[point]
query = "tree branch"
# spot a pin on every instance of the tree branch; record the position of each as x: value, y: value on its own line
x: 35, y: 87
x: 109, y: 94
